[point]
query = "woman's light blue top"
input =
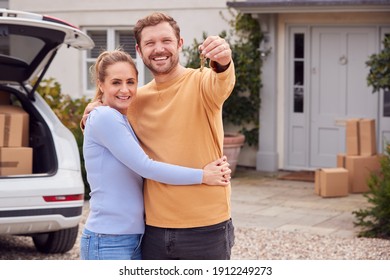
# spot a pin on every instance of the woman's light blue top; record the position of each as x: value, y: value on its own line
x: 116, y: 165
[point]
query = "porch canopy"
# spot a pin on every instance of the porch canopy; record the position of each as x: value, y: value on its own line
x: 295, y: 6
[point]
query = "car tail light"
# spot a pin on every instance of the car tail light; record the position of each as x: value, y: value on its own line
x: 61, y: 198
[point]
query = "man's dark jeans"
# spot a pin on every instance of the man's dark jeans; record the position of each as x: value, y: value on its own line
x: 202, y: 243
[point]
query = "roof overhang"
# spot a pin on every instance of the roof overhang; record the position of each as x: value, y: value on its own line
x: 309, y: 6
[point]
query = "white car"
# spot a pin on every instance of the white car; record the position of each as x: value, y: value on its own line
x: 47, y: 202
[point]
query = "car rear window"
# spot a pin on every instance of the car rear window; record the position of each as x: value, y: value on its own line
x: 13, y: 48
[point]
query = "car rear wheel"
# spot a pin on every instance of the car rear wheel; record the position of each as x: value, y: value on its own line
x: 56, y: 242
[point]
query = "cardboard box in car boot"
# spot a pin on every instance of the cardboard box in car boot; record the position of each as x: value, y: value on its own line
x: 15, y: 161
x: 16, y: 127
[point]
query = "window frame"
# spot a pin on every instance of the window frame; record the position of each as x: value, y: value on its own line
x: 384, y: 33
x: 111, y: 44
x: 295, y: 62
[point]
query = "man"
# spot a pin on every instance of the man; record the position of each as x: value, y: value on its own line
x: 178, y: 119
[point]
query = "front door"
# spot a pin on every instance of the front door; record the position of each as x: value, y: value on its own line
x: 338, y: 88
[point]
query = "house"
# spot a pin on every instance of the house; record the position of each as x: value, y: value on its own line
x: 110, y: 23
x: 314, y: 77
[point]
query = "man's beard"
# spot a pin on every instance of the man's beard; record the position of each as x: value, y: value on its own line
x: 157, y: 71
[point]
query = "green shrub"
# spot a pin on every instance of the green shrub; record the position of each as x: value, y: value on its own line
x: 374, y: 221
x: 70, y: 112
x: 379, y: 76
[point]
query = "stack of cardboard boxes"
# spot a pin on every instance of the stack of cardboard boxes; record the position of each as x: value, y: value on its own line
x: 355, y: 166
x: 15, y: 154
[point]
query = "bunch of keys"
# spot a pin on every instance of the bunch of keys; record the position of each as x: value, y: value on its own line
x: 202, y: 61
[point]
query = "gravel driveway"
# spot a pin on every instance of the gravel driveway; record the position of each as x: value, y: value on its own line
x: 250, y: 244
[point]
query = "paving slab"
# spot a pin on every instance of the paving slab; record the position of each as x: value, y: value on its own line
x: 261, y: 200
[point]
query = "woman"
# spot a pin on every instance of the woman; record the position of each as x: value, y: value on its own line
x: 116, y: 166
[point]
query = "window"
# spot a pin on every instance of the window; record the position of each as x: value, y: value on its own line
x: 386, y: 95
x: 299, y: 66
x: 12, y: 46
x: 110, y: 39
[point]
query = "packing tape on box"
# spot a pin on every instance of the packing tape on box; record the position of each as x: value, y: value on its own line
x: 9, y: 164
x: 7, y: 129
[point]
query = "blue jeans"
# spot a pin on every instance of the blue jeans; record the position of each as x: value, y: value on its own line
x: 202, y: 243
x: 97, y: 246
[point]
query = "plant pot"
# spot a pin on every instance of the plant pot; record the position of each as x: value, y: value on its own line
x: 232, y: 144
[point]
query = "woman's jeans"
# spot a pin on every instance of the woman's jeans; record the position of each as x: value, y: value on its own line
x: 97, y: 246
x: 201, y: 243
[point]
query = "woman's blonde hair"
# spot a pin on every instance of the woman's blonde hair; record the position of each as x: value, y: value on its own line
x: 104, y: 60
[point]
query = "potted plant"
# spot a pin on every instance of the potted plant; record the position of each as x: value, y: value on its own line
x: 232, y: 143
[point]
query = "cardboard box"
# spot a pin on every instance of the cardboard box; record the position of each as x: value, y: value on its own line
x: 5, y: 98
x: 2, y: 128
x: 331, y: 182
x: 360, y: 169
x: 16, y: 128
x: 341, y: 160
x: 15, y: 161
x: 367, y: 137
x: 352, y: 137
